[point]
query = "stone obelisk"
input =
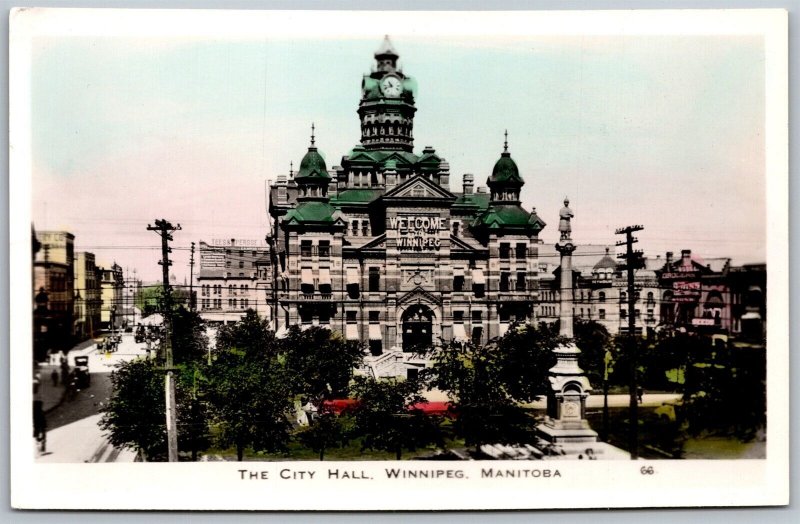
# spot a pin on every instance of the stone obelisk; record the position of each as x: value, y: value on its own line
x: 565, y: 421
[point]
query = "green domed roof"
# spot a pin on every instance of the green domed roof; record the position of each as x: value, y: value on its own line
x: 312, y: 167
x: 506, y: 170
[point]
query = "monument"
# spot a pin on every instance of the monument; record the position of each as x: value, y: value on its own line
x: 565, y: 421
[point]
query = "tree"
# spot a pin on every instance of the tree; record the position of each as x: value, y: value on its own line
x: 388, y: 417
x: 321, y: 362
x: 193, y: 411
x: 251, y: 402
x: 486, y: 383
x: 189, y: 340
x: 326, y: 431
x: 593, y: 339
x: 251, y: 335
x: 135, y: 414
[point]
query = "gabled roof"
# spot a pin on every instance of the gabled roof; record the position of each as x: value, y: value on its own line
x: 312, y: 211
x: 356, y: 196
x: 416, y: 184
x: 500, y: 216
x: 375, y: 242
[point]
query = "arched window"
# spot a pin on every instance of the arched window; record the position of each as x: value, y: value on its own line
x: 601, y: 296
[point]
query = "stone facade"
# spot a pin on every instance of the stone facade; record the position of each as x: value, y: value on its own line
x: 382, y: 250
x: 231, y: 279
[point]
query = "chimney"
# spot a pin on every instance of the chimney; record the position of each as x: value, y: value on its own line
x: 669, y: 257
x: 686, y: 254
x: 469, y: 183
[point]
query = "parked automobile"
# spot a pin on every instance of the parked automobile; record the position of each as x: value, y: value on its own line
x: 82, y: 377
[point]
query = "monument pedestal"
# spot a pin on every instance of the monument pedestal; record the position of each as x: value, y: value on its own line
x: 566, y: 403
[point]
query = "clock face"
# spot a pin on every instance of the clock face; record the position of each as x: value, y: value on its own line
x: 391, y: 86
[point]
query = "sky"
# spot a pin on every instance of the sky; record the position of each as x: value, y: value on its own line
x: 662, y: 131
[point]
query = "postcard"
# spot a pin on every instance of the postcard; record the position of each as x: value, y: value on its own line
x: 398, y: 260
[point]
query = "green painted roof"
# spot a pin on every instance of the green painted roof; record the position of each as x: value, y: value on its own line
x: 480, y: 200
x: 312, y: 167
x: 312, y: 211
x: 498, y: 216
x: 505, y: 170
x: 356, y: 195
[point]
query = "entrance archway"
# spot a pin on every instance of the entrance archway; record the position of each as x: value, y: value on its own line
x: 417, y: 328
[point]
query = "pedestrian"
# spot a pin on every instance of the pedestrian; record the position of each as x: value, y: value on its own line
x: 39, y: 423
x: 54, y: 377
x: 639, y: 394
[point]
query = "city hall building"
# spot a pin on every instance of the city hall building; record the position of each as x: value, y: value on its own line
x: 384, y: 250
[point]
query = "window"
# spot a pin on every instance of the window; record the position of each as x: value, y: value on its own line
x: 504, y: 281
x: 455, y: 229
x: 233, y: 304
x: 477, y: 317
x: 305, y: 316
x: 650, y: 298
x: 477, y: 331
x: 458, y: 283
x: 601, y: 296
x: 245, y: 303
x: 521, y: 281
x: 458, y: 317
x: 305, y: 248
x: 241, y: 264
x: 375, y: 347
x: 637, y: 313
x: 522, y: 251
x: 351, y: 317
x: 355, y: 228
x: 505, y: 251
x: 374, y: 317
x: 623, y: 296
x: 324, y: 317
x: 365, y: 228
x: 602, y: 314
x: 374, y: 279
x: 623, y: 313
x: 227, y: 263
x: 324, y: 248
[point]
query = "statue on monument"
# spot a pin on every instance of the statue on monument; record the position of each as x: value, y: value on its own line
x: 564, y: 224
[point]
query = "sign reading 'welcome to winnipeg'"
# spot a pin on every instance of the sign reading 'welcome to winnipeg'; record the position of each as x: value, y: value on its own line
x: 417, y: 233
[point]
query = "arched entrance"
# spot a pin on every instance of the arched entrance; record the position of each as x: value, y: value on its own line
x: 417, y: 328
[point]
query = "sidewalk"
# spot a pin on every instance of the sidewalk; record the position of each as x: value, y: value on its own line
x: 594, y: 401
x: 82, y: 441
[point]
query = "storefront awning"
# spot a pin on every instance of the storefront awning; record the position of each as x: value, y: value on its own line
x: 458, y: 271
x: 351, y: 332
x: 324, y: 276
x: 478, y: 278
x: 375, y: 332
x: 282, y: 331
x: 459, y: 333
x: 503, y: 328
x: 352, y: 276
x: 306, y: 277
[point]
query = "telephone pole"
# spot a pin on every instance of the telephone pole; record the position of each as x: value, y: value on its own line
x: 191, y: 280
x: 632, y: 261
x: 165, y: 230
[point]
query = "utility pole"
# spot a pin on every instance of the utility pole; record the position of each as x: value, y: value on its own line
x: 165, y: 230
x: 632, y: 261
x: 191, y: 280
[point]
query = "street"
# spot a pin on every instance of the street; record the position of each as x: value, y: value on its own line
x: 73, y: 434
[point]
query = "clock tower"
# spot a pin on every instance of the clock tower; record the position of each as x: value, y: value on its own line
x: 387, y: 107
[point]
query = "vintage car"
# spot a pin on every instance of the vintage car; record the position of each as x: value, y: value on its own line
x: 82, y: 377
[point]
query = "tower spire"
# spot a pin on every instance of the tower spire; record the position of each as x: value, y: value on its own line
x: 291, y: 169
x: 312, y: 134
x: 505, y: 143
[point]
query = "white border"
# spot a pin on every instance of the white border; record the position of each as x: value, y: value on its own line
x: 580, y: 485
